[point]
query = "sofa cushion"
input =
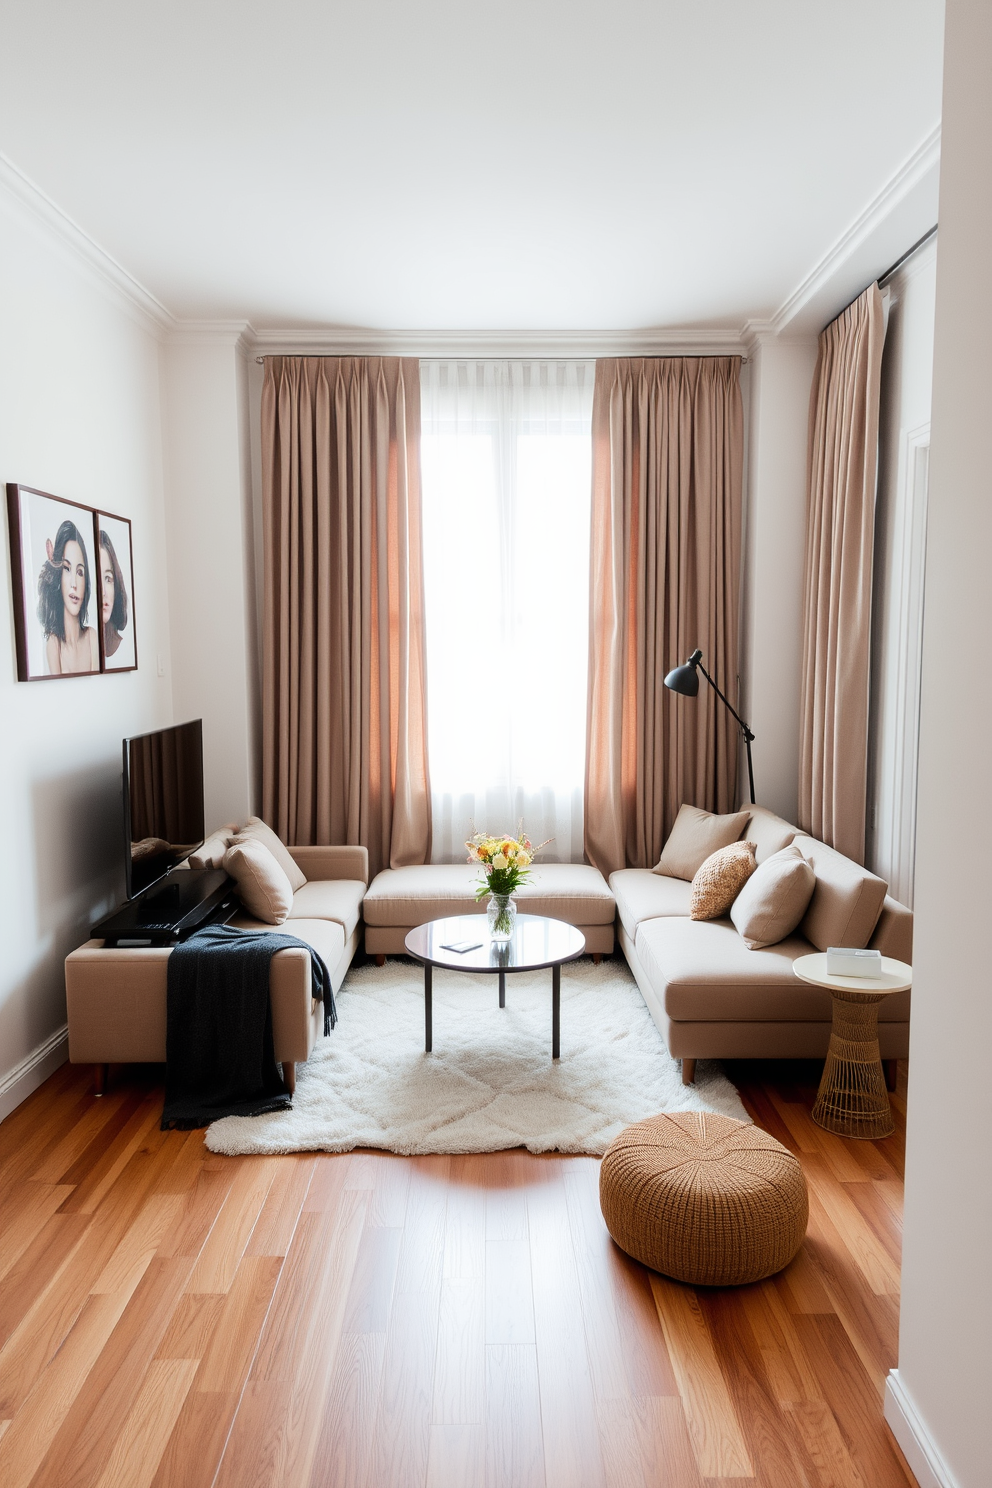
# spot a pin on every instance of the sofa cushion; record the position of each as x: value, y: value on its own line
x: 642, y: 894
x: 774, y: 899
x: 694, y: 836
x: 434, y: 891
x: 720, y: 879
x: 702, y: 971
x: 263, y: 888
x: 847, y: 899
x: 326, y: 936
x: 329, y: 899
x: 256, y: 829
x: 768, y: 832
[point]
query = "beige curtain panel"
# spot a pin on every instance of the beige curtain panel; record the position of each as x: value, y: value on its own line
x: 667, y: 463
x: 840, y: 529
x: 344, y: 728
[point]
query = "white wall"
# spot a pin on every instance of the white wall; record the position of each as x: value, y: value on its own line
x: 212, y: 561
x: 771, y: 651
x: 900, y: 555
x: 79, y: 417
x: 938, y: 1403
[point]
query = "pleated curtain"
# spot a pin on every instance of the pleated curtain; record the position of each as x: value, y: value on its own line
x: 344, y: 753
x: 840, y: 529
x: 665, y: 578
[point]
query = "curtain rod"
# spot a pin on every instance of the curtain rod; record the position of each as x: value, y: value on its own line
x: 908, y: 254
x: 685, y: 356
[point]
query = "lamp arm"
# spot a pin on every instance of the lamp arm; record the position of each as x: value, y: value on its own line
x: 749, y: 737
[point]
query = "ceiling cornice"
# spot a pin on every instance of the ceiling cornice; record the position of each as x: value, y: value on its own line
x: 923, y: 160
x: 29, y: 204
x: 349, y: 341
x: 20, y: 196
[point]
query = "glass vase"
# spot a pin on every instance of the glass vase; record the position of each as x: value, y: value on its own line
x: 501, y: 913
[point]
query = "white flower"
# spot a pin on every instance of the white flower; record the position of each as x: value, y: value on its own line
x: 499, y: 861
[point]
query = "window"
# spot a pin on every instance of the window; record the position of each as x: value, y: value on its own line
x: 506, y: 490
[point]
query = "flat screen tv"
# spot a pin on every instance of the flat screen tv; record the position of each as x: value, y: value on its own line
x: 163, y: 802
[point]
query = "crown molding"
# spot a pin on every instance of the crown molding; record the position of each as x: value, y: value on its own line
x: 924, y: 159
x: 357, y: 341
x: 29, y: 203
x: 237, y: 334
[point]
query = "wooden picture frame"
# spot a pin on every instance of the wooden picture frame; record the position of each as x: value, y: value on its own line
x: 54, y: 585
x: 115, y: 562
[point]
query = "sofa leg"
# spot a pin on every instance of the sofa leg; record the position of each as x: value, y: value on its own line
x: 289, y: 1076
x: 597, y: 957
x: 100, y: 1074
x: 688, y: 1072
x: 380, y: 959
x: 891, y: 1067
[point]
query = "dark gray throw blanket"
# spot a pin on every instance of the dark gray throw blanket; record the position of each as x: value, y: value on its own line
x: 220, y: 1056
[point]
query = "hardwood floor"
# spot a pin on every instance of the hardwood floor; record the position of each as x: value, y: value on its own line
x: 171, y: 1319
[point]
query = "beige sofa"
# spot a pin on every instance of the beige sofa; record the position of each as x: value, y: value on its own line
x: 116, y: 998
x: 400, y: 898
x: 711, y: 997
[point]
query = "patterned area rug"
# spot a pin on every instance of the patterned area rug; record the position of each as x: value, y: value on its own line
x: 490, y: 1082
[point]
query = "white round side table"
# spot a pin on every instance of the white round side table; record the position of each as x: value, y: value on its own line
x: 852, y: 1099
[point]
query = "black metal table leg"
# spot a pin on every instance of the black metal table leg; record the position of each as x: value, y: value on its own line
x: 556, y: 1010
x: 502, y: 988
x: 428, y: 988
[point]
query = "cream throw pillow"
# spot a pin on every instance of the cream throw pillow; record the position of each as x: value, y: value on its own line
x: 211, y: 853
x: 695, y: 835
x: 255, y: 829
x: 263, y: 888
x: 720, y: 880
x: 774, y: 899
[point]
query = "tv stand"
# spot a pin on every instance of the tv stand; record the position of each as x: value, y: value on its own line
x: 185, y: 900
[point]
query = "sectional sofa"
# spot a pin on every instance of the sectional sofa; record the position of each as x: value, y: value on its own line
x: 712, y: 998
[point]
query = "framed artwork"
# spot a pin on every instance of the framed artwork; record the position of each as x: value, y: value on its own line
x: 118, y: 646
x: 56, y: 586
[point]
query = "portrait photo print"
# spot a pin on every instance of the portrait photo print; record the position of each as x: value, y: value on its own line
x: 56, y: 585
x: 115, y: 588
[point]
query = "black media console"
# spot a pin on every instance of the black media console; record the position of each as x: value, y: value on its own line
x: 185, y: 900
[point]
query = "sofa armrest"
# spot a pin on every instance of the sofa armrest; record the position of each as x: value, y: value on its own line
x: 893, y: 935
x: 332, y: 862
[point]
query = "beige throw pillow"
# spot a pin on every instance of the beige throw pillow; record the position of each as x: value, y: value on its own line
x: 263, y: 888
x: 695, y: 835
x: 720, y: 880
x: 256, y: 829
x: 774, y: 899
x: 846, y: 902
x: 211, y: 853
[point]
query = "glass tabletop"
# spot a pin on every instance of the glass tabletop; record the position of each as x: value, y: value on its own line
x: 535, y: 942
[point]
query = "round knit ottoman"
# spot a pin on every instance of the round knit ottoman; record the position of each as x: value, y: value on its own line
x: 704, y: 1198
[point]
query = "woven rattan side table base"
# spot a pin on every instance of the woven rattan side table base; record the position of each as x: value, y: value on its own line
x: 852, y: 1100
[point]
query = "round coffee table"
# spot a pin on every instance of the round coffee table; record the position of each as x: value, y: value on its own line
x: 536, y: 942
x: 852, y: 1099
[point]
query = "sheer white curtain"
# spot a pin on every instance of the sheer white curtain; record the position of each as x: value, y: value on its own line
x: 506, y: 491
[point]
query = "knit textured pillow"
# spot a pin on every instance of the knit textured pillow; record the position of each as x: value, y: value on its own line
x: 720, y: 879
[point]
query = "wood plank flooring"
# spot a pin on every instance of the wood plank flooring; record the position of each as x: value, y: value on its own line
x: 172, y: 1319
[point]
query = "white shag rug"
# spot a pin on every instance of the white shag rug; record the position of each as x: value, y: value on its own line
x: 490, y: 1082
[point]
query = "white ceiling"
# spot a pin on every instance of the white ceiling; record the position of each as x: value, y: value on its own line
x: 533, y: 164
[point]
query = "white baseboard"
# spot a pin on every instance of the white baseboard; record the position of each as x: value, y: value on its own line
x: 910, y: 1431
x: 34, y: 1070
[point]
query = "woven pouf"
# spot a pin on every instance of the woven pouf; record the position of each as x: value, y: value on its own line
x: 704, y: 1198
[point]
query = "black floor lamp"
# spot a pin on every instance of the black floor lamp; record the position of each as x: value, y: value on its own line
x: 684, y: 680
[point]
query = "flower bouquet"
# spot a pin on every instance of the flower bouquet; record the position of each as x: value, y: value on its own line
x: 506, y: 865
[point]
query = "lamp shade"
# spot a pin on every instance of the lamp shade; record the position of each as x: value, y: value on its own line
x: 685, y: 679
